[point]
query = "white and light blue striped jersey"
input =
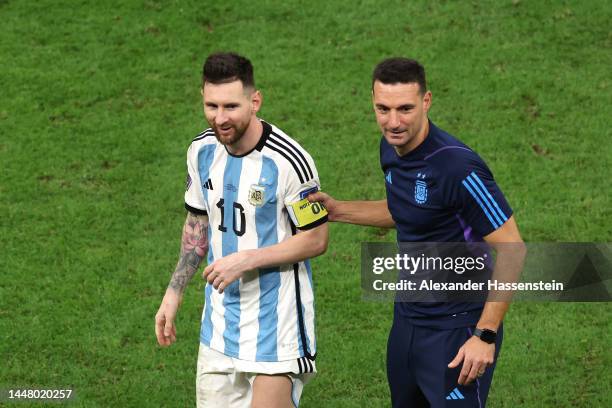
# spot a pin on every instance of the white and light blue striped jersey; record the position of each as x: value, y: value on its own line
x: 267, y: 315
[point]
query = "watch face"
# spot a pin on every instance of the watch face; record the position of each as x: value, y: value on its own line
x: 488, y: 336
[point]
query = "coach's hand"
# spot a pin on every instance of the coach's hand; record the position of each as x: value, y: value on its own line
x: 165, y: 330
x: 328, y: 202
x: 222, y: 272
x: 476, y: 356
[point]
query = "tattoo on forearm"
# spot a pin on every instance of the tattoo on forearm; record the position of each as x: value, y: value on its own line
x: 194, y: 246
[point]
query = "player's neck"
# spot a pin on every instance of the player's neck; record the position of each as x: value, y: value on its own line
x: 249, y: 140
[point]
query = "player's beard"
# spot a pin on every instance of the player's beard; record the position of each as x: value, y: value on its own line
x: 233, y: 137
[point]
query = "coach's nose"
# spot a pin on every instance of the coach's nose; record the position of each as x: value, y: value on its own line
x: 394, y: 121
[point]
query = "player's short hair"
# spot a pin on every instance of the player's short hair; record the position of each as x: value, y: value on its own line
x: 400, y: 70
x: 224, y: 67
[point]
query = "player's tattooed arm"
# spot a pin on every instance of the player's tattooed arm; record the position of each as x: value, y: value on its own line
x: 194, y: 246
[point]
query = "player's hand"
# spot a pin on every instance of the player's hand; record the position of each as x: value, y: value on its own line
x: 222, y: 272
x: 476, y: 356
x: 328, y: 202
x: 165, y: 330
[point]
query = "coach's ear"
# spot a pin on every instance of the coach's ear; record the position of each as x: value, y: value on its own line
x: 427, y: 101
x: 256, y: 101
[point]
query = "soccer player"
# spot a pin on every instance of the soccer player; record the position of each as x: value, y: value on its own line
x: 438, y: 190
x: 247, y: 185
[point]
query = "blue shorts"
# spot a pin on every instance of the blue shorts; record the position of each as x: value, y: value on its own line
x: 417, y: 367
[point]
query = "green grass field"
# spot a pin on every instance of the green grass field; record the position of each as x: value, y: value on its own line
x: 99, y: 101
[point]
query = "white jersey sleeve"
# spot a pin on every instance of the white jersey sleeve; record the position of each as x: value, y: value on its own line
x: 194, y: 199
x: 303, y: 214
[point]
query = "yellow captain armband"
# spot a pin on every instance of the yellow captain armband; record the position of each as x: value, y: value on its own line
x: 304, y: 213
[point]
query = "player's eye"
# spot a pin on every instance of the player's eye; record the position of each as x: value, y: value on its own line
x: 382, y: 109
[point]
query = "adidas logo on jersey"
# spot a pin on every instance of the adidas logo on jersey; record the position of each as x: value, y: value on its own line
x: 208, y: 185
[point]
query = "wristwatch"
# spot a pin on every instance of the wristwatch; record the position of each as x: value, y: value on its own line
x: 486, y: 335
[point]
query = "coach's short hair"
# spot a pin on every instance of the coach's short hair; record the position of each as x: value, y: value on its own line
x: 224, y: 67
x: 400, y: 70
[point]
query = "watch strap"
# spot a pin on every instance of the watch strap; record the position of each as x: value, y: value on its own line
x: 486, y: 335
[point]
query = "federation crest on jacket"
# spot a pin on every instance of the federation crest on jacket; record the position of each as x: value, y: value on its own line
x: 420, y: 189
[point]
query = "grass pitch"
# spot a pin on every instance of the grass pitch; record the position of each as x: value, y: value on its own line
x: 100, y: 101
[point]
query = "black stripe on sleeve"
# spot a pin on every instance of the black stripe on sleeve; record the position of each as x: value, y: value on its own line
x: 283, y: 145
x: 207, y: 132
x: 295, y: 149
x: 290, y: 156
x: 196, y: 211
x: 282, y: 153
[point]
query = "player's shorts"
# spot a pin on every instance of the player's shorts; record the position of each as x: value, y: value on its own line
x: 417, y: 367
x: 227, y: 382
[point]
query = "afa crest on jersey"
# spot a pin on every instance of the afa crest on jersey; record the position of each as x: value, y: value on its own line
x: 256, y: 195
x: 420, y: 189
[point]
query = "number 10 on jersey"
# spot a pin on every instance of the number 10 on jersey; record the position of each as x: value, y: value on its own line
x: 238, y: 217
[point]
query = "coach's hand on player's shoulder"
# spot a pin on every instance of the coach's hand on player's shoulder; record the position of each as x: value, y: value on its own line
x: 222, y: 272
x: 476, y: 356
x: 165, y: 330
x: 328, y: 202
